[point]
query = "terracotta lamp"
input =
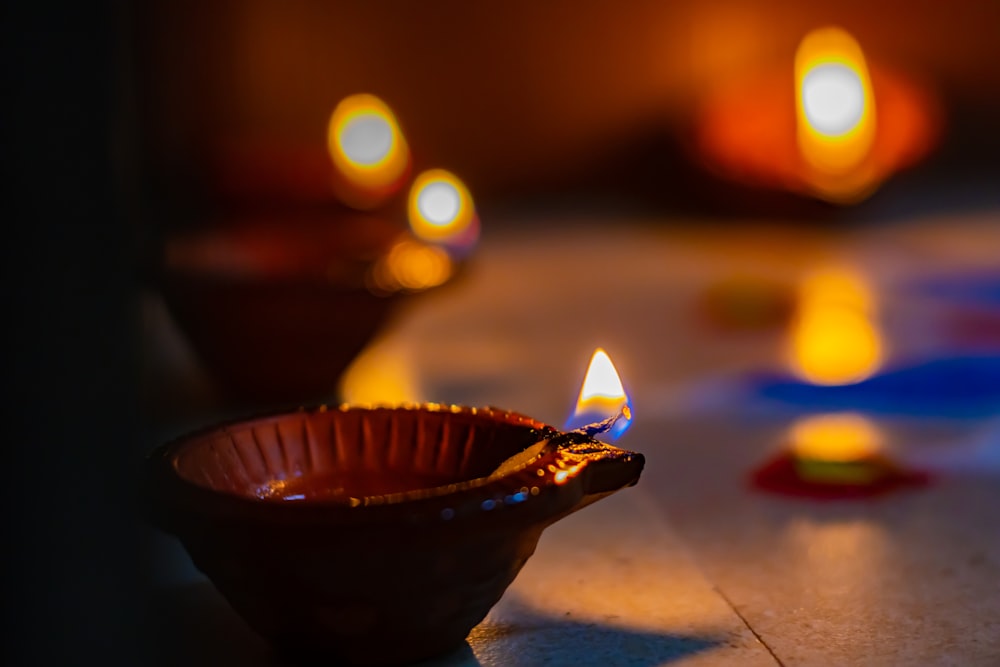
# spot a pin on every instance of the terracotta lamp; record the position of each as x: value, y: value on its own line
x: 830, y: 125
x: 375, y: 535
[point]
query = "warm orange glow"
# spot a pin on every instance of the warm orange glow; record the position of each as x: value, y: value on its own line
x: 835, y: 438
x: 834, y: 337
x: 835, y: 112
x: 833, y: 126
x: 411, y: 265
x: 441, y: 211
x: 602, y: 396
x: 369, y: 153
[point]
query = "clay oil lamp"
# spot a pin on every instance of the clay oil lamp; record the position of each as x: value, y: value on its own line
x: 278, y: 298
x: 831, y: 125
x: 376, y: 535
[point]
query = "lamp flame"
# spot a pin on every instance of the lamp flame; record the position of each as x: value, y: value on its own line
x: 835, y: 113
x: 834, y: 338
x: 369, y: 153
x: 602, y: 399
x: 441, y: 211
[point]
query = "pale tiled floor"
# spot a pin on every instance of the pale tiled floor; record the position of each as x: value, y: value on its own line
x: 690, y: 567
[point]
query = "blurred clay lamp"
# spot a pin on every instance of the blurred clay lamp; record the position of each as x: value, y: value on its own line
x: 376, y: 535
x: 278, y: 299
x: 834, y: 341
x: 834, y: 127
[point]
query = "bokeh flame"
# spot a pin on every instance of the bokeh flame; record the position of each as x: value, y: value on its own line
x: 602, y: 396
x: 835, y: 438
x: 441, y: 211
x: 835, y: 112
x: 370, y: 155
x: 835, y: 339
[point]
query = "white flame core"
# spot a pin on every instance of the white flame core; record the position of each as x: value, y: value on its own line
x: 367, y: 139
x: 439, y: 203
x: 833, y: 98
x: 602, y: 379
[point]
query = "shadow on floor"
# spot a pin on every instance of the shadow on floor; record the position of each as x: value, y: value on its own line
x: 523, y: 637
x: 195, y: 627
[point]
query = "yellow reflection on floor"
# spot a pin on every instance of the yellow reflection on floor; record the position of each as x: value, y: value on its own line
x: 835, y: 339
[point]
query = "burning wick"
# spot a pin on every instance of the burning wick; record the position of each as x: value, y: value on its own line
x: 603, y: 408
x: 605, y: 425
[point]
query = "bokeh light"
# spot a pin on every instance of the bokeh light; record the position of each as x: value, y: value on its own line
x: 441, y: 210
x: 369, y: 153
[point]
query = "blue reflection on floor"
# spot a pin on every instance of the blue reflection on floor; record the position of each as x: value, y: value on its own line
x: 977, y: 288
x: 958, y: 387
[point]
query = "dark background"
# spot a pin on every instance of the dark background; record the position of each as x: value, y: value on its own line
x: 72, y: 576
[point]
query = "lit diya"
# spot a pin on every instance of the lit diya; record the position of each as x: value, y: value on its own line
x: 376, y: 535
x: 834, y: 126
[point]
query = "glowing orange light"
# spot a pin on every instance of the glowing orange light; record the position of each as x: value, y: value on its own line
x: 441, y: 210
x: 835, y: 111
x: 835, y: 438
x: 410, y: 265
x: 834, y: 337
x: 602, y: 396
x: 834, y: 126
x: 369, y: 153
